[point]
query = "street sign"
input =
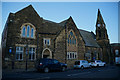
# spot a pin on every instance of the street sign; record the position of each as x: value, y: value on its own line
x: 10, y: 50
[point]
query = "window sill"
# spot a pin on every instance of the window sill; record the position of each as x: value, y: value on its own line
x: 28, y: 37
x: 19, y: 60
x: 31, y: 60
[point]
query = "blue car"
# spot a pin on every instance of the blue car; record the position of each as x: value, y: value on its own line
x: 47, y: 65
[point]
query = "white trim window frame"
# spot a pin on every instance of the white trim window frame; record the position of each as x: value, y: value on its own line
x: 32, y: 53
x: 19, y: 53
x: 71, y: 55
x: 46, y: 41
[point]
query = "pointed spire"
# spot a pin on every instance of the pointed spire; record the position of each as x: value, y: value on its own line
x: 99, y: 18
x: 70, y: 18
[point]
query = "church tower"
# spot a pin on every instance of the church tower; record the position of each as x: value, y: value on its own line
x: 102, y: 37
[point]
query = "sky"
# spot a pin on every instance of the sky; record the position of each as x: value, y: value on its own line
x: 84, y: 14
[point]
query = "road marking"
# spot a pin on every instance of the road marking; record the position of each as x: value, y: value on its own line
x: 78, y: 73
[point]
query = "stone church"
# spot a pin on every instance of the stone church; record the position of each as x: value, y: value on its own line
x: 27, y: 37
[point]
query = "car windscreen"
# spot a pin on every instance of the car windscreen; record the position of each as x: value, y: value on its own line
x: 92, y: 61
x: 77, y: 62
x: 99, y: 61
x: 84, y: 62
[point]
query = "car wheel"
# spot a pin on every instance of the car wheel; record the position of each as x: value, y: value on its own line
x: 97, y: 65
x: 90, y: 66
x: 82, y: 67
x: 46, y: 69
x: 63, y: 69
x: 104, y: 65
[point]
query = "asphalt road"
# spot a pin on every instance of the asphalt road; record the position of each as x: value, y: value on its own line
x: 102, y: 73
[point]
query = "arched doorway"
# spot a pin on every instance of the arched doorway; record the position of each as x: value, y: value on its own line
x: 46, y: 53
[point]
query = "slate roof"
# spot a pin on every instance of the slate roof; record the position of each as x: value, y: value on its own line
x: 51, y: 27
x: 88, y: 38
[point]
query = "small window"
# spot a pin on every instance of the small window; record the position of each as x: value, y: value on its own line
x: 71, y: 55
x: 68, y: 56
x: 19, y: 53
x: 71, y: 33
x: 46, y: 41
x: 23, y: 32
x: 68, y: 40
x: 31, y: 53
x: 28, y: 31
x: 32, y: 32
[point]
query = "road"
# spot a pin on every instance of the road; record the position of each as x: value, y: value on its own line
x: 108, y: 72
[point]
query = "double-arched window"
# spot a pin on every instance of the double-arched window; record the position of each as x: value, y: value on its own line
x: 28, y: 30
x: 71, y: 38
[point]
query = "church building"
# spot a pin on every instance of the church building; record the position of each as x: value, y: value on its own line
x: 27, y: 37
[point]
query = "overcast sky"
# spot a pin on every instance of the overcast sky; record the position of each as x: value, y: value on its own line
x: 84, y: 14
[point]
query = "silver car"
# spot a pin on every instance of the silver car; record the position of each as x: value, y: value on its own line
x: 81, y: 64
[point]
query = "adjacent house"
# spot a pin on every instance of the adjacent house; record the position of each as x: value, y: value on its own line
x: 115, y: 53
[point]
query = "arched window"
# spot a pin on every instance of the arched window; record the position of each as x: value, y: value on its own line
x: 71, y: 38
x: 32, y: 32
x: 23, y: 32
x: 28, y: 31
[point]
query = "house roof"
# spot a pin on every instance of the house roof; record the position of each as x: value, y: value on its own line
x: 89, y: 38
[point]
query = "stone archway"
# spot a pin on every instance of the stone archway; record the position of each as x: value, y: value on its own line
x: 47, y: 53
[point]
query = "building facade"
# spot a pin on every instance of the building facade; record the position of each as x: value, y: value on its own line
x: 115, y: 51
x: 27, y: 37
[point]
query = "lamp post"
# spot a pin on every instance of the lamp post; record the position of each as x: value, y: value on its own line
x: 26, y: 54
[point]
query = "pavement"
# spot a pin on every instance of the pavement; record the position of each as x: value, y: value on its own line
x: 18, y: 70
x: 109, y: 72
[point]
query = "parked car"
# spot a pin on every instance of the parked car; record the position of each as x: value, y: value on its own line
x: 96, y: 63
x: 117, y: 60
x: 81, y: 64
x: 47, y: 65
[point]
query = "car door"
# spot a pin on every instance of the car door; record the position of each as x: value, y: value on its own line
x: 56, y: 64
x: 77, y: 64
x: 86, y: 64
x: 99, y: 62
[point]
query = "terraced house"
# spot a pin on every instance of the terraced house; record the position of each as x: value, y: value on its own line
x: 28, y: 37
